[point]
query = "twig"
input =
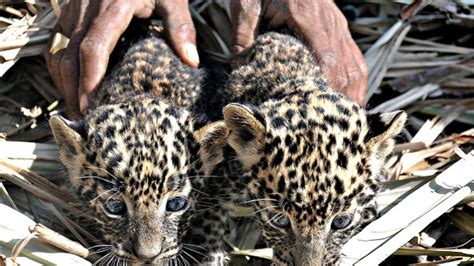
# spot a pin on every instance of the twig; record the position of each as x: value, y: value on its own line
x: 12, y: 11
x: 58, y: 240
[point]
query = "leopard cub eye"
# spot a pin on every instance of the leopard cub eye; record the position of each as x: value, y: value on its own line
x: 279, y: 220
x: 341, y: 221
x: 176, y: 204
x: 115, y: 207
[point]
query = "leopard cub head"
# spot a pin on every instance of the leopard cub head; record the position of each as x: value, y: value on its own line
x: 131, y: 164
x: 313, y: 162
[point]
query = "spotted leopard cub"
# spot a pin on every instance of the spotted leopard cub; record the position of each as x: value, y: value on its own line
x: 311, y: 156
x: 132, y: 157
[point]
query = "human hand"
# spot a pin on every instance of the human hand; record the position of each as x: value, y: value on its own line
x: 321, y: 24
x: 94, y: 28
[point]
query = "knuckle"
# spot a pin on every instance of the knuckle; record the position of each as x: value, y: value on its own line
x: 66, y: 62
x: 244, y: 5
x: 242, y: 38
x: 245, y: 13
x: 329, y: 60
x: 170, y: 7
x: 342, y: 20
x: 121, y: 7
x: 122, y: 3
x: 185, y: 27
x: 89, y: 46
x: 364, y: 69
x: 52, y: 61
x: 345, y: 25
x: 354, y: 76
x: 338, y: 17
x: 86, y: 45
x: 342, y: 81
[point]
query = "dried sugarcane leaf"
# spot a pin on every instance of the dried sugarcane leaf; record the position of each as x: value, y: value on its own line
x: 5, y: 197
x: 70, y: 226
x: 40, y: 158
x: 463, y: 220
x: 380, y: 55
x: 409, y: 160
x: 459, y: 14
x: 432, y: 128
x: 407, y: 251
x: 420, y: 78
x: 406, y: 98
x: 15, y: 228
x: 388, y: 233
x: 41, y: 188
x: 29, y: 150
x: 393, y: 192
x: 466, y: 117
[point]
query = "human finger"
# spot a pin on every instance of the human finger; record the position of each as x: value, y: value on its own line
x: 363, y: 72
x: 53, y: 56
x: 351, y: 71
x: 52, y: 61
x: 180, y: 29
x: 327, y: 35
x: 97, y: 45
x: 245, y: 21
x: 70, y: 61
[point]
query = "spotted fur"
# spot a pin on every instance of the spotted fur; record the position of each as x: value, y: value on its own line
x: 310, y: 156
x: 140, y: 147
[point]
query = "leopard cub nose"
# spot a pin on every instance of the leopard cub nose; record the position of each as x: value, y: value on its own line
x: 146, y: 254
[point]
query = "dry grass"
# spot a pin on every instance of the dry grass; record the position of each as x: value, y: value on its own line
x: 421, y: 59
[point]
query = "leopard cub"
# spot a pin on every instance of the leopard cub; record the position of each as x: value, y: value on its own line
x: 310, y: 156
x: 133, y: 157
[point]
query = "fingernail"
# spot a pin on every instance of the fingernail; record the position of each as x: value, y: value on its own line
x: 83, y: 102
x: 191, y: 53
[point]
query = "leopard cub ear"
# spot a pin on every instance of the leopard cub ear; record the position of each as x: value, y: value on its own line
x: 212, y: 139
x: 246, y: 132
x: 68, y: 136
x: 382, y: 128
